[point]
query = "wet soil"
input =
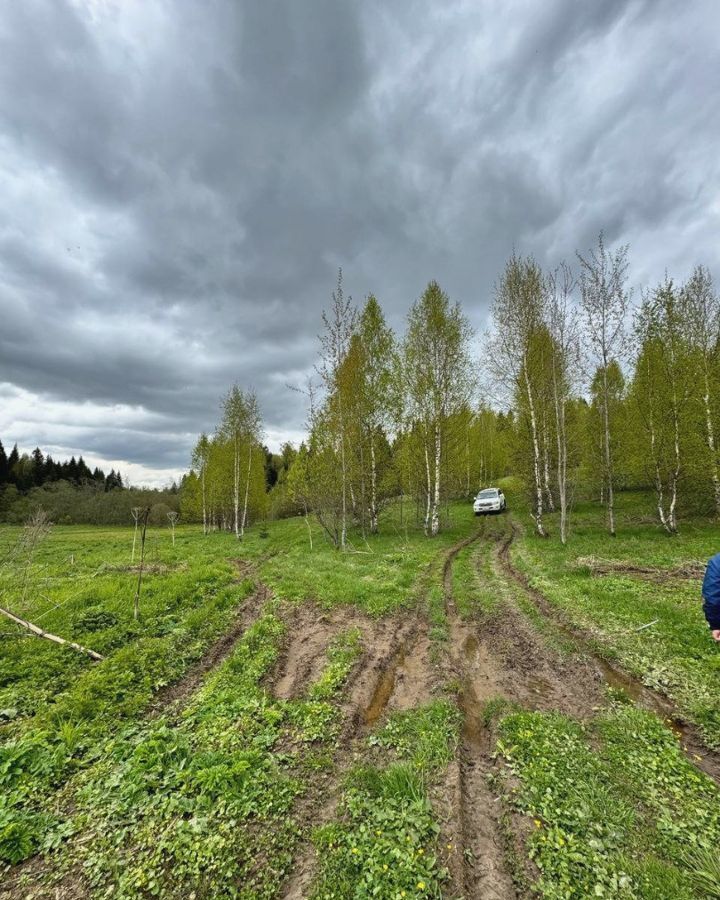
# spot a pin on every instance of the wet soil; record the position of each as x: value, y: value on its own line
x: 497, y: 657
x: 600, y: 567
x: 501, y: 656
x: 388, y: 675
x: 612, y: 674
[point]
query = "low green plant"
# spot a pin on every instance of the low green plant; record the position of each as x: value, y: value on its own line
x: 341, y: 656
x: 617, y: 809
x: 384, y: 846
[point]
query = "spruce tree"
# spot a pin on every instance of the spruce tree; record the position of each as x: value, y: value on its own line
x: 38, y: 466
x: 13, y: 460
x: 4, y: 468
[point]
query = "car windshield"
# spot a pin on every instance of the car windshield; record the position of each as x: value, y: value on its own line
x: 486, y: 495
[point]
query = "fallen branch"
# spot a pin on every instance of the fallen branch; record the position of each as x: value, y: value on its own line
x: 39, y: 632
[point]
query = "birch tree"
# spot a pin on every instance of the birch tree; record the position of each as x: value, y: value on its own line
x: 702, y: 309
x: 662, y: 385
x: 380, y: 403
x: 605, y: 300
x: 339, y: 325
x: 562, y: 325
x: 438, y: 376
x: 240, y: 427
x: 518, y: 317
x: 253, y: 424
x: 200, y: 460
x: 172, y: 519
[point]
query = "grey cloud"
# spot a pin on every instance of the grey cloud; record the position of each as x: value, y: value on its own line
x: 184, y: 179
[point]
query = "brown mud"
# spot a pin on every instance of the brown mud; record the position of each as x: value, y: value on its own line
x: 612, y: 674
x: 311, y: 630
x: 379, y: 681
x: 600, y: 567
x: 498, y: 657
x: 501, y: 656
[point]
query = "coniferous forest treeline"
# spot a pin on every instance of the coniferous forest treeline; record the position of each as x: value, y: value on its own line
x: 578, y: 389
x: 71, y: 493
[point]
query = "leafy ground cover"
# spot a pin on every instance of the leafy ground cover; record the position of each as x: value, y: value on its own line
x: 204, y: 803
x: 617, y: 808
x: 379, y: 576
x: 474, y: 585
x: 675, y: 653
x: 59, y: 708
x: 384, y: 844
x: 207, y: 797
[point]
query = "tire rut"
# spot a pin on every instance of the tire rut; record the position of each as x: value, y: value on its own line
x: 370, y: 687
x: 612, y: 675
x: 476, y: 861
x: 501, y: 656
x: 179, y: 692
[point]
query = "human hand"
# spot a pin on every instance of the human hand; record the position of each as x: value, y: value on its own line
x: 716, y: 634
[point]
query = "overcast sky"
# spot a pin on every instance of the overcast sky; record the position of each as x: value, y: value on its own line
x: 179, y: 182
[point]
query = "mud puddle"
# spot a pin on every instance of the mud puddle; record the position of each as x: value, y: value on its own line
x: 383, y: 689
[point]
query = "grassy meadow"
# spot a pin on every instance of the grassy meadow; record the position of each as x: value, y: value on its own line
x: 143, y: 775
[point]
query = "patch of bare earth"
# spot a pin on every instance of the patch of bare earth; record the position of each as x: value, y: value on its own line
x: 388, y: 675
x: 611, y: 674
x: 497, y: 657
x: 599, y: 567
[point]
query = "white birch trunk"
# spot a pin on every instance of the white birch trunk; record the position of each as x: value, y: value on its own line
x: 204, y: 508
x: 536, y: 458
x: 546, y: 465
x: 307, y: 522
x: 39, y: 632
x: 247, y: 492
x: 373, y: 489
x: 435, y: 523
x: 236, y: 488
x: 710, y: 431
x: 608, y: 453
x: 343, y: 530
x: 678, y: 466
x: 562, y: 454
x: 429, y: 489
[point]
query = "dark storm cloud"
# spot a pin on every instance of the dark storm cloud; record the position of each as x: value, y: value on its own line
x: 181, y: 181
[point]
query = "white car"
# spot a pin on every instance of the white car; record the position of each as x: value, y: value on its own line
x: 489, y: 500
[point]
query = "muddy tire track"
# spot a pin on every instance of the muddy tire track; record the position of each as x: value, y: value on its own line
x: 179, y: 692
x: 311, y: 630
x: 501, y: 656
x: 612, y: 674
x: 471, y: 831
x: 374, y: 684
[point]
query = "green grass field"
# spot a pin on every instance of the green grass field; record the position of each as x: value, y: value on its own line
x: 144, y: 775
